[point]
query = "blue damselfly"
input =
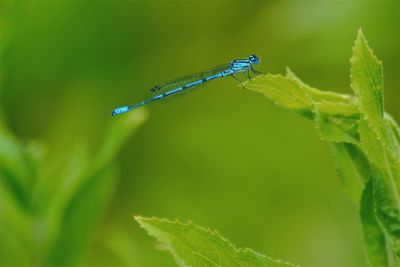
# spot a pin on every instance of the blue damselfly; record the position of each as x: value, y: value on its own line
x: 182, y: 84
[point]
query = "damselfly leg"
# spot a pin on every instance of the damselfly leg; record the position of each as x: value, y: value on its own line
x: 237, y: 79
x: 256, y: 71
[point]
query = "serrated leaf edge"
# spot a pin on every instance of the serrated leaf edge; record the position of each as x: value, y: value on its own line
x: 141, y: 220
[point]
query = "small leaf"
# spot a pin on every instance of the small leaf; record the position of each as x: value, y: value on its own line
x: 349, y: 103
x: 367, y: 81
x: 352, y: 168
x: 285, y: 92
x: 387, y: 212
x: 374, y: 238
x: 195, y: 246
x: 336, y: 115
x: 336, y: 127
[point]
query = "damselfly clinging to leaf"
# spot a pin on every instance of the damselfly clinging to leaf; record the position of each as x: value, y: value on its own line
x: 182, y: 84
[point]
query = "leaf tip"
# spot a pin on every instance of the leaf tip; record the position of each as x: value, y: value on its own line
x: 360, y: 37
x: 288, y: 70
x: 360, y: 32
x: 136, y: 217
x: 141, y: 219
x: 361, y: 44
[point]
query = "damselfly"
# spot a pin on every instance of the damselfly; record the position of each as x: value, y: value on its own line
x: 182, y: 84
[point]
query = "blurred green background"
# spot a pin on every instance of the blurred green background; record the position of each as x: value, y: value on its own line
x: 223, y: 157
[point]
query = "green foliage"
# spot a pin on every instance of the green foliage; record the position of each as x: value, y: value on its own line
x: 48, y: 213
x: 65, y: 64
x: 193, y: 245
x: 335, y: 115
x: 365, y: 141
x: 373, y: 236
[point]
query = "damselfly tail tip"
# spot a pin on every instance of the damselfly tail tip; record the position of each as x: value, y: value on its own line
x: 118, y: 111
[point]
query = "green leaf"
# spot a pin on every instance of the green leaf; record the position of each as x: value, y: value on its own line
x: 349, y: 103
x: 194, y: 246
x: 117, y: 133
x: 16, y: 168
x: 379, y: 140
x: 374, y: 239
x: 335, y: 127
x: 50, y: 214
x: 367, y: 82
x: 385, y: 189
x: 15, y: 222
x: 352, y: 168
x: 393, y: 131
x: 80, y: 218
x: 366, y: 143
x: 387, y: 212
x: 54, y: 194
x: 336, y: 115
x: 284, y: 91
x: 82, y: 180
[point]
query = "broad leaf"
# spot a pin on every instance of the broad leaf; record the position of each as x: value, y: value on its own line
x: 196, y: 246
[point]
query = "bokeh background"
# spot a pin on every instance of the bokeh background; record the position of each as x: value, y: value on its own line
x: 223, y: 157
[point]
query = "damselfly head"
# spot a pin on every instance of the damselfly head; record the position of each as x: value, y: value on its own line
x: 254, y: 59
